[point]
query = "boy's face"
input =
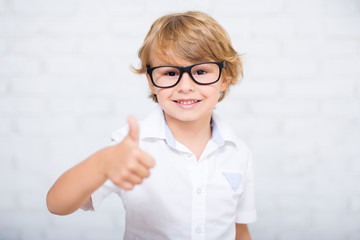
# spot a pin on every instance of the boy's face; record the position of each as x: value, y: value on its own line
x: 187, y: 101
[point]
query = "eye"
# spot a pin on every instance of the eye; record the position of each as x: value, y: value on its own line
x: 170, y: 74
x: 200, y: 72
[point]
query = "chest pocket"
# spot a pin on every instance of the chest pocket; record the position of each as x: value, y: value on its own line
x: 234, y: 179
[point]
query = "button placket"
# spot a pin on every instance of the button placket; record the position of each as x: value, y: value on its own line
x: 198, y: 173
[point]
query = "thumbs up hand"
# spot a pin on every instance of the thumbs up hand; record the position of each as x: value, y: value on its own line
x: 125, y: 164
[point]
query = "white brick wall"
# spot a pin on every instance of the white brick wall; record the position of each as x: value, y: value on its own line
x: 65, y: 85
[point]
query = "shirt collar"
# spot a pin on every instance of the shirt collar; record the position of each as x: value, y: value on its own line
x: 154, y: 126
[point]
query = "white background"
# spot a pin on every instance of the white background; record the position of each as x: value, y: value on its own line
x: 65, y: 86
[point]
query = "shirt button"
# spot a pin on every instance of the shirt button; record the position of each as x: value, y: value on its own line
x: 198, y: 191
x: 198, y: 229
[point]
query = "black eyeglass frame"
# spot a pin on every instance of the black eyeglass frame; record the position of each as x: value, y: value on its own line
x: 187, y: 69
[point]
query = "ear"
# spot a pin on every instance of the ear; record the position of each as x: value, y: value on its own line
x: 224, y: 84
x: 151, y: 85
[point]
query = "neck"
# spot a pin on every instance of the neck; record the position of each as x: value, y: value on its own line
x: 192, y: 134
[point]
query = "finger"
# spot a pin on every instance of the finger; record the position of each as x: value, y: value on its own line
x: 133, y: 129
x: 126, y: 185
x: 134, y: 179
x: 146, y: 160
x: 141, y: 171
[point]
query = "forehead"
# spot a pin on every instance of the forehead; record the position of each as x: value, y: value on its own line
x: 169, y: 57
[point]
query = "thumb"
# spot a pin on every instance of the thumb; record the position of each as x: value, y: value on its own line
x: 133, y: 129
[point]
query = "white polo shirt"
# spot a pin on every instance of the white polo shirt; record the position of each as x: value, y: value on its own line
x: 186, y: 198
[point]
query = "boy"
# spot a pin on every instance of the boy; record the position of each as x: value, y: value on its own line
x: 201, y: 185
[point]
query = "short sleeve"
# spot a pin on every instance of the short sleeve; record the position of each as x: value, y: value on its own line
x: 246, y: 210
x: 99, y: 195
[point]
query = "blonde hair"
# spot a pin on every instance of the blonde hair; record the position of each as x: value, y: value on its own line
x: 193, y: 36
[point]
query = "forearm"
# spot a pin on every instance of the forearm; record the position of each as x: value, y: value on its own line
x: 73, y: 189
x: 242, y: 232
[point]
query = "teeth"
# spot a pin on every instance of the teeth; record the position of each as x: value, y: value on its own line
x: 188, y: 102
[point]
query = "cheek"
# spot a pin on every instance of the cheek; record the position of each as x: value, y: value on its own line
x: 162, y: 93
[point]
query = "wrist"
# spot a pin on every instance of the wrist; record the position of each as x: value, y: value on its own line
x: 100, y: 159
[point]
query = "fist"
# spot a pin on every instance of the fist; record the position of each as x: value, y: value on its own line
x: 126, y: 164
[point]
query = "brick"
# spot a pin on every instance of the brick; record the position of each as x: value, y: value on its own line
x: 103, y: 87
x: 271, y: 27
x: 298, y: 233
x: 21, y: 220
x: 32, y: 202
x: 355, y: 204
x: 62, y: 233
x: 342, y: 26
x: 347, y: 48
x: 298, y: 166
x: 341, y: 67
x: 280, y: 185
x: 256, y: 89
x: 113, y: 7
x: 29, y: 234
x: 29, y: 146
x: 341, y: 7
x: 254, y: 126
x: 120, y: 27
x: 301, y: 8
x: 106, y: 235
x: 5, y: 127
x: 355, y: 167
x: 15, y: 27
x: 2, y: 6
x: 248, y: 7
x: 77, y: 107
x: 162, y: 6
x: 326, y: 221
x: 298, y: 203
x: 344, y: 146
x: 23, y: 181
x: 83, y: 66
x: 7, y: 149
x: 7, y: 162
x: 283, y: 146
x: 101, y: 126
x: 4, y: 86
x: 8, y: 234
x: 82, y: 220
x: 104, y: 44
x: 17, y: 66
x: 344, y: 108
x: 353, y: 235
x: 21, y: 106
x: 299, y: 220
x: 46, y: 126
x: 280, y: 68
x: 311, y: 27
x: 3, y: 46
x: 8, y: 202
x: 322, y: 128
x: 303, y: 47
x: 77, y: 26
x: 320, y: 89
x: 45, y: 86
x: 43, y: 7
x: 44, y: 46
x: 284, y: 107
x: 261, y: 48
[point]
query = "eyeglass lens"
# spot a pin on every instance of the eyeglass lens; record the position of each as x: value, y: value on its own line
x: 202, y: 73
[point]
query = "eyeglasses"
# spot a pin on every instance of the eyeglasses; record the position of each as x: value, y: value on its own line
x: 168, y: 76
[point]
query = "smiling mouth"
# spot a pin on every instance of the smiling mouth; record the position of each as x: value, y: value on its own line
x: 187, y: 102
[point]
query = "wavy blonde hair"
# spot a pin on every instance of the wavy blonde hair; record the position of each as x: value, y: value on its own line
x: 192, y: 36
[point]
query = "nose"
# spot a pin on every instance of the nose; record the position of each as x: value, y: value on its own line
x: 186, y: 83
